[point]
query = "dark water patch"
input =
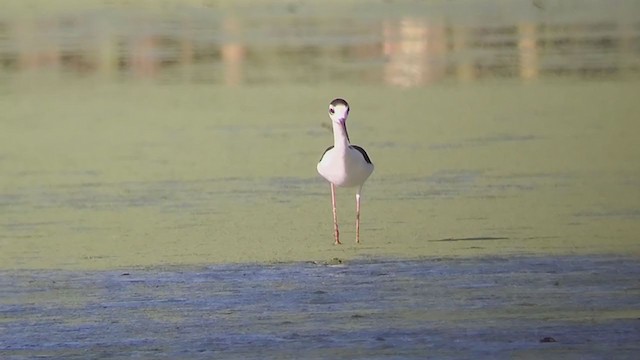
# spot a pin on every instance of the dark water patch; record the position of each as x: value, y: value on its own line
x: 612, y: 213
x: 447, y: 308
x: 165, y: 195
x: 477, y: 238
x: 481, y: 184
x: 484, y: 141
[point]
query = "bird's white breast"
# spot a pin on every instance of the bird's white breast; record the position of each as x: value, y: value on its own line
x: 344, y: 167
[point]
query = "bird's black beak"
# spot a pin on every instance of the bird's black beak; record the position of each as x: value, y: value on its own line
x: 344, y: 127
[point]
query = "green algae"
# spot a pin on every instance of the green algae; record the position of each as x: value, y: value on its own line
x: 104, y: 165
x: 99, y: 176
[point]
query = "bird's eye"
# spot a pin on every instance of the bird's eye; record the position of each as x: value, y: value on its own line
x: 331, y: 111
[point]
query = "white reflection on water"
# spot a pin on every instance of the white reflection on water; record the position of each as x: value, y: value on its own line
x: 293, y: 44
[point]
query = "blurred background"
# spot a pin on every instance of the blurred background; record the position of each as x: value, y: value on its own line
x: 149, y: 132
x: 392, y: 43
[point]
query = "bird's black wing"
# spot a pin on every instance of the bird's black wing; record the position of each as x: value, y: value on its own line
x: 364, y: 153
x: 329, y: 148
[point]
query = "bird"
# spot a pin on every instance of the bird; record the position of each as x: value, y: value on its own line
x: 344, y: 164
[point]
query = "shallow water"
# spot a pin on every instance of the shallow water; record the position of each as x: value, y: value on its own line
x: 158, y: 193
x: 587, y: 307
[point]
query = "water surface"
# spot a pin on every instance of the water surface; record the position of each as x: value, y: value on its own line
x: 158, y: 192
x: 556, y: 307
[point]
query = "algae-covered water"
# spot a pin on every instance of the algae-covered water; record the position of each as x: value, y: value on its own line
x: 177, y: 142
x: 100, y: 176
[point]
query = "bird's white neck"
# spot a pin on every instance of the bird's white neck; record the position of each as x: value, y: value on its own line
x: 340, y: 136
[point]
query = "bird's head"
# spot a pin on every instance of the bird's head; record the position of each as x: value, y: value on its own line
x: 338, y: 111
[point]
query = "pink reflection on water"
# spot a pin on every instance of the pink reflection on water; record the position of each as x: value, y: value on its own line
x: 415, y: 52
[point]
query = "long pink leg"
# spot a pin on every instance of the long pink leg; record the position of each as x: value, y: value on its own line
x: 358, y: 217
x: 336, y: 233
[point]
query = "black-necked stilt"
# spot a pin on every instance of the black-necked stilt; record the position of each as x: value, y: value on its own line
x: 343, y: 164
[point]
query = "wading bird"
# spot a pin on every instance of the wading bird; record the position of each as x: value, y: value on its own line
x: 343, y: 164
